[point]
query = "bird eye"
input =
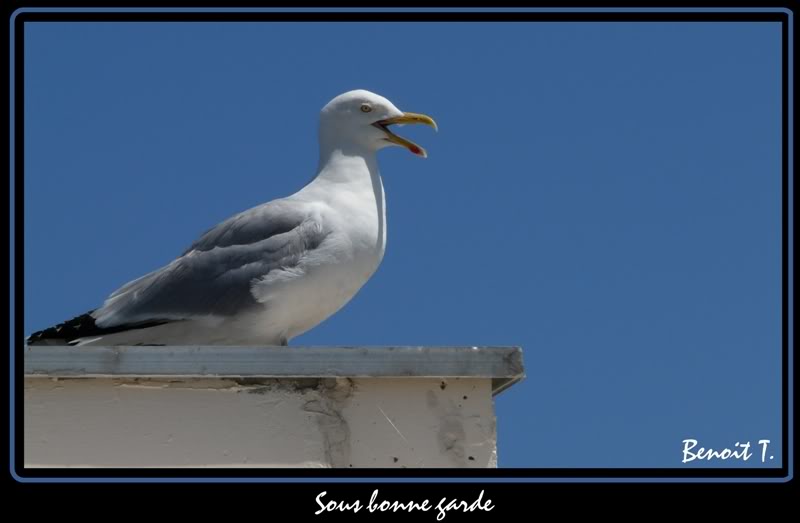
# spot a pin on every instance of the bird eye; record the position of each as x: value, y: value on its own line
x: 365, y: 108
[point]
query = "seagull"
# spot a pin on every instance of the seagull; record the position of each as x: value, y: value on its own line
x: 270, y: 273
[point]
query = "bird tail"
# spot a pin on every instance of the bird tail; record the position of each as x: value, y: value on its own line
x: 71, y: 332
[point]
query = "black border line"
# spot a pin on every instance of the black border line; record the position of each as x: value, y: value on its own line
x: 395, y: 16
x: 785, y: 39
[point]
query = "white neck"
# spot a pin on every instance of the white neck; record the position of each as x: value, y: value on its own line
x: 349, y: 178
x: 352, y: 166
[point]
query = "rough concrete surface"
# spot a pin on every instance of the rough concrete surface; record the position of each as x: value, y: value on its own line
x: 259, y: 422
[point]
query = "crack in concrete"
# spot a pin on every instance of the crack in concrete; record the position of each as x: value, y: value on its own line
x: 393, y: 425
x: 332, y: 397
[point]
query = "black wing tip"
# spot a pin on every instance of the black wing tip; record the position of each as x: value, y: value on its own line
x: 83, y: 326
x: 65, y: 331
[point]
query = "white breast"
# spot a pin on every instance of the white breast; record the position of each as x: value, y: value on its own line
x: 296, y: 300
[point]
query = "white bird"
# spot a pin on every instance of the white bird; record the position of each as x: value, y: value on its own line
x: 277, y: 270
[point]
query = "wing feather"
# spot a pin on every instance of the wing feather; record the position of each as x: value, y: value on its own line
x: 214, y: 276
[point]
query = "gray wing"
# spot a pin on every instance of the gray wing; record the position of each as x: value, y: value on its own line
x: 214, y: 276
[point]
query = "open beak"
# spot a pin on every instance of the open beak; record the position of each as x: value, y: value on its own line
x: 406, y: 118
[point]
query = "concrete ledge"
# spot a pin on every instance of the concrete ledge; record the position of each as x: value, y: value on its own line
x: 346, y: 407
x: 503, y: 365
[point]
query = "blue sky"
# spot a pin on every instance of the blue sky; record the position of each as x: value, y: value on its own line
x: 605, y: 195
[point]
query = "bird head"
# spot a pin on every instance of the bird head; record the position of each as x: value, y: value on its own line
x: 363, y: 118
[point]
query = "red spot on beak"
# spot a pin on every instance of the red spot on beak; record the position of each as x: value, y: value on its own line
x: 415, y: 149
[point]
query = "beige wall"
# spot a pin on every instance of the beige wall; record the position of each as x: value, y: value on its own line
x: 259, y: 422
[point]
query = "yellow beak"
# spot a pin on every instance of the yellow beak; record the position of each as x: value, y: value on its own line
x: 406, y: 118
